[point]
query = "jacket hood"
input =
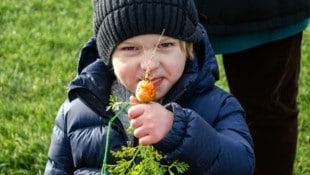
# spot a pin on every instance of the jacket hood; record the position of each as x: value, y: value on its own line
x: 93, y: 84
x: 93, y: 87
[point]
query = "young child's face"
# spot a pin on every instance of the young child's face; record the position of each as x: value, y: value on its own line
x: 131, y: 58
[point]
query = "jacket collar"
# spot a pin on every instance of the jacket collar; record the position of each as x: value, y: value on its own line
x: 93, y: 87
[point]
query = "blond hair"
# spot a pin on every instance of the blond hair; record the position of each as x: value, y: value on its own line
x: 188, y: 48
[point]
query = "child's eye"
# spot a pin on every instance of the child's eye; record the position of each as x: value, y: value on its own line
x: 168, y: 44
x: 129, y: 48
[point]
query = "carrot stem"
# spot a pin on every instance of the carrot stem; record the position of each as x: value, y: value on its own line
x: 148, y: 71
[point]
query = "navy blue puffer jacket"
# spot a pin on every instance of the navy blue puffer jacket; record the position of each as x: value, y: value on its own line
x: 209, y: 130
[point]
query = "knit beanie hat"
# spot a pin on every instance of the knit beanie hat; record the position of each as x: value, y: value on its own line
x: 118, y: 20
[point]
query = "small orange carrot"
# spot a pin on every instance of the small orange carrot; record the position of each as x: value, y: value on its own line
x: 145, y: 91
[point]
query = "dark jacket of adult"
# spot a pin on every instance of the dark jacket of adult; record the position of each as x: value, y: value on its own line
x: 209, y: 130
x: 240, y: 16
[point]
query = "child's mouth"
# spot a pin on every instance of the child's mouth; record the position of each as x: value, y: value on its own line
x: 157, y: 81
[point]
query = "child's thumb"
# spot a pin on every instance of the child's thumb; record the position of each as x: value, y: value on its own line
x: 133, y: 100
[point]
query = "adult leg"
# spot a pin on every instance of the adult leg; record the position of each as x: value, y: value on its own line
x: 265, y: 81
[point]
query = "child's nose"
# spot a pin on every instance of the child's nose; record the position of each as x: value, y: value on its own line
x: 150, y: 60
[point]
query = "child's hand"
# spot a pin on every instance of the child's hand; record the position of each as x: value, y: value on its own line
x: 151, y: 121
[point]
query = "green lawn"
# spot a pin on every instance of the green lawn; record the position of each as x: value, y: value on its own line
x: 39, y: 45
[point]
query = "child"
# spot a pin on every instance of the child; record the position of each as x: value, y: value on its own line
x: 191, y: 119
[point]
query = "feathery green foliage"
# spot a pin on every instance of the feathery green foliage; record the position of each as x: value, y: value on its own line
x: 143, y: 160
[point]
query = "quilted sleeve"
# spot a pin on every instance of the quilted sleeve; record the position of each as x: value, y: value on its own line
x: 59, y: 154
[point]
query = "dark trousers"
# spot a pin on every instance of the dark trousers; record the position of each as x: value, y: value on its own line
x: 265, y: 81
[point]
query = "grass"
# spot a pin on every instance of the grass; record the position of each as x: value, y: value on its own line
x: 303, y: 151
x: 39, y: 45
x: 39, y: 42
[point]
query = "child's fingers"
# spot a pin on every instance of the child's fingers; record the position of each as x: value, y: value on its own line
x: 140, y: 132
x: 144, y: 137
x: 133, y: 100
x: 135, y: 123
x: 147, y: 140
x: 135, y: 111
